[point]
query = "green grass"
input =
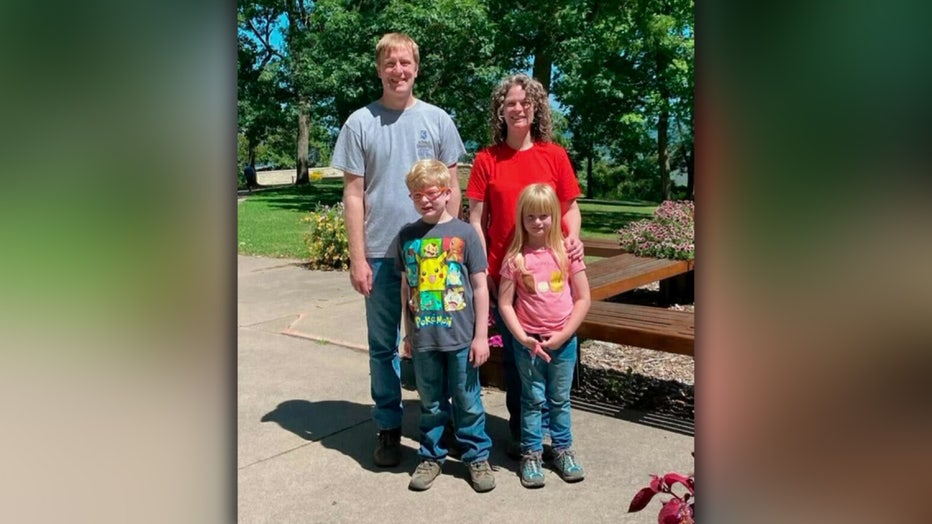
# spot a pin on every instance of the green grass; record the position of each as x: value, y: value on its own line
x: 269, y: 221
x: 603, y: 218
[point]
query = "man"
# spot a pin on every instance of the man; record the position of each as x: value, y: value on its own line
x: 377, y: 146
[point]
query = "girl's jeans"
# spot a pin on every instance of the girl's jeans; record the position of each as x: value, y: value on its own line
x: 512, y: 378
x: 438, y: 372
x: 543, y: 383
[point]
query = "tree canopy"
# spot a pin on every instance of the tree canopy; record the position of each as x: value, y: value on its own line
x: 620, y: 74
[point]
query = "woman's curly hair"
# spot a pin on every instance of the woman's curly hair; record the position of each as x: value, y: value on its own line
x: 541, y: 125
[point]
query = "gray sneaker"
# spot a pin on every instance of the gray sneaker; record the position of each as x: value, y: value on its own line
x: 424, y: 475
x: 532, y: 470
x: 388, y: 449
x: 481, y: 475
x: 567, y: 467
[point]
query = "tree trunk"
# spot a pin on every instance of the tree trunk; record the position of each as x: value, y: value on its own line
x: 301, y: 175
x: 663, y: 129
x: 543, y: 63
x: 691, y: 173
x: 590, y: 191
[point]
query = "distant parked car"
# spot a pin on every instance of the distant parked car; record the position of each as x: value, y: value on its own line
x: 266, y: 166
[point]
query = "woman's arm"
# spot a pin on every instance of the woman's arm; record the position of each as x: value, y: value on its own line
x: 572, y: 222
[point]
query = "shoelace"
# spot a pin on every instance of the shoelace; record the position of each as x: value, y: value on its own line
x: 532, y: 466
x: 568, y: 460
x: 479, y: 467
x: 424, y: 467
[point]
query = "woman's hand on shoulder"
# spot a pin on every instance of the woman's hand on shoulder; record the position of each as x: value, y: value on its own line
x: 574, y: 247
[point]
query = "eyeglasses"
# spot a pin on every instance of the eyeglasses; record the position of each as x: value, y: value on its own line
x: 431, y: 194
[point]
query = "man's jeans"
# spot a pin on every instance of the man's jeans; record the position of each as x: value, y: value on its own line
x: 513, y: 379
x: 383, y: 321
x: 435, y: 370
x: 544, y: 383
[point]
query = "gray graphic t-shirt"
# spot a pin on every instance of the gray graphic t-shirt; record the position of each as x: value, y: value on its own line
x: 437, y: 260
x: 381, y: 145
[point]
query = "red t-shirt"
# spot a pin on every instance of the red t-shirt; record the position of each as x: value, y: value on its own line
x: 498, y: 175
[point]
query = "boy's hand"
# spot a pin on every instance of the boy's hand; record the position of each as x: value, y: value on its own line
x: 479, y: 352
x: 406, y: 348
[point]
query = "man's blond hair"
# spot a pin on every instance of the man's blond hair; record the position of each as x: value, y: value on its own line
x: 391, y: 41
x: 426, y: 173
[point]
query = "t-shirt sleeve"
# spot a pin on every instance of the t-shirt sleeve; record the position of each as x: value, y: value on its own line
x: 507, y: 270
x: 576, y: 266
x: 567, y: 184
x: 396, y: 250
x: 451, y: 145
x: 478, y: 177
x: 347, y: 152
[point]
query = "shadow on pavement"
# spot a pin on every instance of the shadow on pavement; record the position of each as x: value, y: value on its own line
x: 334, y: 423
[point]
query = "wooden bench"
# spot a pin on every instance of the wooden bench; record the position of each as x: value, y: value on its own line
x: 640, y: 326
x: 601, y: 247
x: 614, y: 275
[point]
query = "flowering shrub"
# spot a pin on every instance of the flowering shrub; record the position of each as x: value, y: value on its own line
x: 669, y: 234
x: 677, y: 510
x: 315, y: 175
x: 495, y: 336
x: 326, y: 240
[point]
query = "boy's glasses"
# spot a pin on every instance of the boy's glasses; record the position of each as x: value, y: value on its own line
x: 431, y: 194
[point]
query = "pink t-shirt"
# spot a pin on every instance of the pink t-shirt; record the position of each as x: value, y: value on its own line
x: 547, y: 310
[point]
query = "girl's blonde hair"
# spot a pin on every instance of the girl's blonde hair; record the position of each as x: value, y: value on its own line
x: 537, y: 199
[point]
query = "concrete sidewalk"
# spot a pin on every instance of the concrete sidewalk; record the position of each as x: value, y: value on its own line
x: 305, y: 436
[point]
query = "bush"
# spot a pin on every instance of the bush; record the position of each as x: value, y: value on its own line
x: 326, y: 240
x: 669, y: 234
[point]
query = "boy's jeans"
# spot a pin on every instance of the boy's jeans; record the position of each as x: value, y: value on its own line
x: 434, y: 369
x: 544, y: 383
x: 383, y: 321
x: 513, y: 386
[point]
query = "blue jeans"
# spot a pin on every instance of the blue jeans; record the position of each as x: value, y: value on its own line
x: 544, y: 383
x: 438, y: 372
x: 383, y: 322
x: 512, y: 379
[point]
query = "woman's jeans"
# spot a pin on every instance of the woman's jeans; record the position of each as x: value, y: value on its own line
x: 438, y: 372
x: 383, y: 321
x: 544, y: 383
x: 512, y: 379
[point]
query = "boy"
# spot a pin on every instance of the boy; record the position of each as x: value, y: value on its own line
x: 444, y: 292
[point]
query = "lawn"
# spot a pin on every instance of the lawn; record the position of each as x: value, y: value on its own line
x: 269, y: 221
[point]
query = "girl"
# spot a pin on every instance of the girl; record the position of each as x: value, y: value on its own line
x: 543, y: 298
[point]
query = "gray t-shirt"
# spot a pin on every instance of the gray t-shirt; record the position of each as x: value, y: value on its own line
x: 437, y: 260
x: 381, y: 145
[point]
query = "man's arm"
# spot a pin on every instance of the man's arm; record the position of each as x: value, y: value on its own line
x: 354, y: 213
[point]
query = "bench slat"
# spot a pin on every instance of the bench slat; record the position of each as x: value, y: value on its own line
x: 601, y: 247
x: 640, y: 326
x: 618, y: 274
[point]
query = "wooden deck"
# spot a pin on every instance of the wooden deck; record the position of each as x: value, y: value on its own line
x: 617, y: 274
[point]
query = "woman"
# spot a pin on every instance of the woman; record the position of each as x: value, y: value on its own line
x: 522, y: 153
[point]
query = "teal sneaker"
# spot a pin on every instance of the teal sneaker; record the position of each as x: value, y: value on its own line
x: 532, y: 470
x: 567, y: 467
